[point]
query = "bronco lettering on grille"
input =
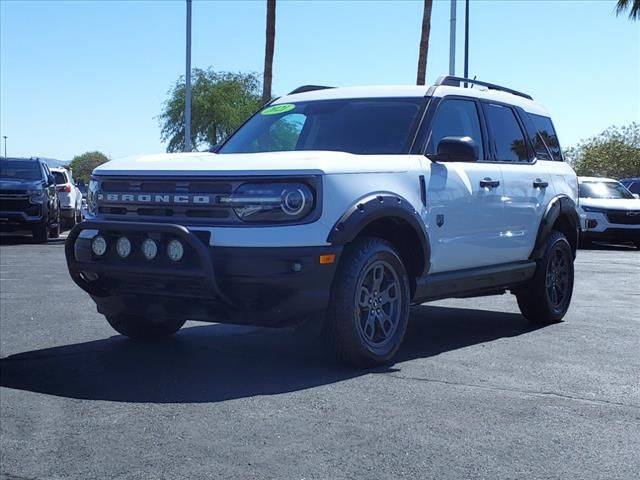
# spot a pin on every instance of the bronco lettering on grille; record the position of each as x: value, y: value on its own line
x: 199, y: 199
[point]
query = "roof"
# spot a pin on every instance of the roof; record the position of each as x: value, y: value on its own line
x: 596, y: 179
x: 390, y: 91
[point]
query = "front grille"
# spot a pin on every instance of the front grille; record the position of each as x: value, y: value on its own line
x: 624, y: 217
x: 14, y: 203
x: 161, y: 205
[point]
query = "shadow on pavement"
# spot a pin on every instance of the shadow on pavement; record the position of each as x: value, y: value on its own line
x: 213, y: 363
x: 8, y: 239
x: 617, y: 247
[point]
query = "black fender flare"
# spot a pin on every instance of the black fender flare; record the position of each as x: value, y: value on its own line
x: 374, y: 207
x: 559, y: 206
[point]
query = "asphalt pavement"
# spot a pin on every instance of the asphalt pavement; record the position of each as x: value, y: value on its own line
x: 476, y: 392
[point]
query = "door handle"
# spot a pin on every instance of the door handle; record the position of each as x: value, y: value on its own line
x: 487, y: 182
x: 537, y: 183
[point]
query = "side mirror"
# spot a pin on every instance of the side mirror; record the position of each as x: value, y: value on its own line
x: 457, y: 149
x: 51, y: 180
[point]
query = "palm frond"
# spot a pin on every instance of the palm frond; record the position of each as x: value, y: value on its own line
x: 632, y: 5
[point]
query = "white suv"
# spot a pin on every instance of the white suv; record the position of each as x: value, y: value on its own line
x: 343, y: 206
x: 608, y: 211
x: 70, y: 196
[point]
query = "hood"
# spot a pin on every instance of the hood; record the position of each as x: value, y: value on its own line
x: 611, y: 203
x: 267, y: 163
x: 18, y: 184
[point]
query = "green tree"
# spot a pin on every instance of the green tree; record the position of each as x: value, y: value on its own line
x: 613, y: 153
x: 83, y: 165
x: 424, y: 42
x: 220, y: 102
x: 632, y: 5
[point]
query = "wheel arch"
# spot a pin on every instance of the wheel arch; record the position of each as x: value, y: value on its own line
x: 561, y: 215
x: 392, y: 218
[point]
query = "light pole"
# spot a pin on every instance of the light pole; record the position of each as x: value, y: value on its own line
x: 452, y: 39
x: 5, y: 145
x: 187, y: 87
x: 466, y: 41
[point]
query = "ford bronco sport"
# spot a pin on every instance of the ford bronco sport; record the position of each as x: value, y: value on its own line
x: 343, y: 206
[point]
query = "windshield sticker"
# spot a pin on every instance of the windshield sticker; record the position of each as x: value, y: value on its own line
x: 277, y: 109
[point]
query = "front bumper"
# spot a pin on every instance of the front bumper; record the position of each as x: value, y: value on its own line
x: 13, y: 221
x: 613, y: 235
x: 249, y: 285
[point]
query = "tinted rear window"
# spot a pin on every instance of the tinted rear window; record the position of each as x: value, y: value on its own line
x: 360, y: 126
x: 545, y: 140
x: 60, y: 177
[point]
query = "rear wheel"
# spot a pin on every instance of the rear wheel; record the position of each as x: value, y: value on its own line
x: 141, y: 328
x: 71, y: 221
x: 546, y: 298
x: 54, y: 232
x: 369, y: 305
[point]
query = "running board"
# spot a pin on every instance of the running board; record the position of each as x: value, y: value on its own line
x: 473, y: 281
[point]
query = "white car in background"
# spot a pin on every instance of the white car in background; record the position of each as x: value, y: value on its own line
x: 609, y: 212
x: 70, y: 196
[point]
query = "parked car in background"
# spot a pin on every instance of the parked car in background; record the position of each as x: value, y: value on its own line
x: 632, y: 184
x: 70, y: 196
x: 609, y: 212
x: 28, y: 198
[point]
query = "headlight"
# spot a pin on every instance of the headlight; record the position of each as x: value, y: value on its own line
x: 92, y: 201
x: 594, y: 209
x: 271, y: 202
x: 36, y: 196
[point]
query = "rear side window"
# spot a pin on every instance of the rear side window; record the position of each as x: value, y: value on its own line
x: 634, y: 187
x: 508, y: 141
x: 545, y: 141
x: 60, y: 177
x: 455, y: 118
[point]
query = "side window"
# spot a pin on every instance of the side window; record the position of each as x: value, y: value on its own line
x: 508, y: 141
x: 45, y: 170
x: 545, y: 140
x: 455, y: 118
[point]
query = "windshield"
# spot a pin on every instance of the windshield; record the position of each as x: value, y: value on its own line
x: 362, y: 126
x: 20, y: 170
x: 60, y: 177
x: 603, y: 190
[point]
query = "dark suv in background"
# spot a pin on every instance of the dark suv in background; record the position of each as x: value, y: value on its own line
x: 28, y: 198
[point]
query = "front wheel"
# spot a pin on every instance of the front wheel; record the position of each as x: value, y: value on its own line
x: 369, y: 308
x: 140, y: 328
x: 546, y: 297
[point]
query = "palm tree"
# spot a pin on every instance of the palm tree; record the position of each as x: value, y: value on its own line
x: 424, y: 42
x: 268, y: 52
x: 634, y: 8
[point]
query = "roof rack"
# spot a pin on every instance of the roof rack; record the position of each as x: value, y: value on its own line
x: 308, y: 88
x: 453, y: 81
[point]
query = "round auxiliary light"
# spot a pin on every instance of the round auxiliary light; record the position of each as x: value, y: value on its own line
x: 293, y: 201
x: 123, y: 247
x: 99, y: 245
x: 149, y: 249
x: 175, y: 250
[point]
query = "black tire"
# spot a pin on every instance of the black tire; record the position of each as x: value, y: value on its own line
x: 54, y: 232
x: 373, y: 340
x: 41, y: 232
x: 140, y: 328
x: 71, y: 222
x: 546, y: 297
x: 79, y: 217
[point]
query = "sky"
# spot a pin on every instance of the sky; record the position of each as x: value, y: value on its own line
x: 79, y: 76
